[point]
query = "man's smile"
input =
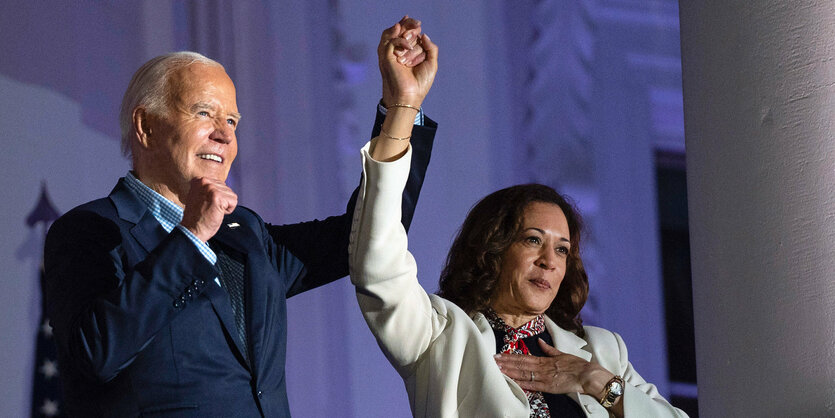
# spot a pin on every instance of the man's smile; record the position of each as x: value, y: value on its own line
x: 212, y: 157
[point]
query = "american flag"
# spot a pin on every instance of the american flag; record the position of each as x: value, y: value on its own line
x: 46, y: 388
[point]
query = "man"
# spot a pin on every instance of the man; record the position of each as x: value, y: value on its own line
x: 168, y: 299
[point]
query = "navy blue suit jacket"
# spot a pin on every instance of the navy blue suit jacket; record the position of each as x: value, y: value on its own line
x: 142, y: 328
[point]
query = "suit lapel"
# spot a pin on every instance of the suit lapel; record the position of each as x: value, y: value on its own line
x: 569, y: 343
x: 148, y: 232
x: 566, y: 341
x: 488, y: 339
x: 223, y: 309
x: 238, y: 237
x: 146, y: 229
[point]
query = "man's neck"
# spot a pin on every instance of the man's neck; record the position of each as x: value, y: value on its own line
x: 160, y: 187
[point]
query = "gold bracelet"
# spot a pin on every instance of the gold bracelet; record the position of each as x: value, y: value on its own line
x: 383, y: 133
x: 403, y: 105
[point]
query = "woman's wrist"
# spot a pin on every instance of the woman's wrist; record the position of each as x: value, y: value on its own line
x: 594, y: 380
x: 408, y: 100
x: 393, y: 141
x: 399, y: 122
x: 403, y: 105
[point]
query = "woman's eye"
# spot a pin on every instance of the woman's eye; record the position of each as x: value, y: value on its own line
x: 533, y: 240
x: 562, y: 250
x: 203, y: 113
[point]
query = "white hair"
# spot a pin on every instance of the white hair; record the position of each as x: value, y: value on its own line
x: 149, y: 89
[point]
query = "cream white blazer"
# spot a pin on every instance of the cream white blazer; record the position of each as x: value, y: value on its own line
x: 444, y: 356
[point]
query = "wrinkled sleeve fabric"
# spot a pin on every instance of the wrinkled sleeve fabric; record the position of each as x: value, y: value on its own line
x: 640, y: 398
x: 395, y: 306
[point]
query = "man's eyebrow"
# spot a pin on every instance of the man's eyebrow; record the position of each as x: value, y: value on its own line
x: 205, y: 106
x: 201, y: 106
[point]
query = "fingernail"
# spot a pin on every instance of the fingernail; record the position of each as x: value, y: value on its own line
x: 400, y: 52
x: 401, y: 60
x: 409, y: 36
x: 497, y: 356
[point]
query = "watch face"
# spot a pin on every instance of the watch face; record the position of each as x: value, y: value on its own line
x: 617, y: 389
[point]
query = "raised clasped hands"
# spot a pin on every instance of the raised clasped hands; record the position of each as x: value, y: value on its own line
x: 408, y: 62
x: 557, y: 372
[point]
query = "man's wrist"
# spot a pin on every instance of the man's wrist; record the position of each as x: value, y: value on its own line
x: 201, y: 245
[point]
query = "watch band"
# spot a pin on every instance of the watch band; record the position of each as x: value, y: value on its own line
x: 612, y: 391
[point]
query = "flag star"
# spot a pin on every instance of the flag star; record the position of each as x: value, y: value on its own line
x: 49, y: 408
x: 46, y: 329
x: 49, y: 369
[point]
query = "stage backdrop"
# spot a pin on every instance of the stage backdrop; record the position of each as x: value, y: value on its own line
x: 577, y: 95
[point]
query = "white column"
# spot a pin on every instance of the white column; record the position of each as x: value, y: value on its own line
x: 759, y: 103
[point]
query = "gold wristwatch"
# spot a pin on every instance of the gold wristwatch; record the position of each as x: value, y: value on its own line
x: 613, y: 391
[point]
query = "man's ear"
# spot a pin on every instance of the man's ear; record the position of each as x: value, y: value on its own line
x: 142, y: 131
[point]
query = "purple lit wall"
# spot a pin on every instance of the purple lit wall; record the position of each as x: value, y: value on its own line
x: 574, y: 94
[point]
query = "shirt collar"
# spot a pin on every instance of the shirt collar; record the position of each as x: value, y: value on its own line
x: 165, y: 211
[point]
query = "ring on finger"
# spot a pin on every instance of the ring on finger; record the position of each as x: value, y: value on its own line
x: 531, y: 375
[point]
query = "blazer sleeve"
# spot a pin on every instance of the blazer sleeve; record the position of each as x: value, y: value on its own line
x: 322, y: 245
x: 640, y: 398
x: 105, y: 308
x: 395, y: 306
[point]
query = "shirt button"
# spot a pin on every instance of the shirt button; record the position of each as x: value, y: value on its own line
x: 260, y: 394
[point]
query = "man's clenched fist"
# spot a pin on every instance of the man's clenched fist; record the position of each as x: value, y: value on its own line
x: 206, y: 203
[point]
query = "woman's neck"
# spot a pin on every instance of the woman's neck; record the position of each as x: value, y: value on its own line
x: 514, y: 319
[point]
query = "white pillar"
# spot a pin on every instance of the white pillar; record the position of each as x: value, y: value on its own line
x: 759, y: 101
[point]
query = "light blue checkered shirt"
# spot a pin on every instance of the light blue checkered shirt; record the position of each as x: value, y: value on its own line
x: 167, y: 213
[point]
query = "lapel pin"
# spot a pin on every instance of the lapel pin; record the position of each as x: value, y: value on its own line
x: 233, y: 225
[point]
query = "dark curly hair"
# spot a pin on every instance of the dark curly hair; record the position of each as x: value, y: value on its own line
x: 472, y: 267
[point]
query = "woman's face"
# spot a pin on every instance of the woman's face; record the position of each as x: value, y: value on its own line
x: 534, y: 265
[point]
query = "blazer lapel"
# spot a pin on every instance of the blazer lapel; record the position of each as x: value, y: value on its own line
x: 237, y: 237
x: 146, y: 229
x: 223, y: 309
x: 569, y: 343
x: 566, y: 341
x: 488, y: 339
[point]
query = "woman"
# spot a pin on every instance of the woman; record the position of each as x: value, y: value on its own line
x: 514, y: 284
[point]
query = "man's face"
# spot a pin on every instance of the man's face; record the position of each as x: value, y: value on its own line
x: 196, y: 136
